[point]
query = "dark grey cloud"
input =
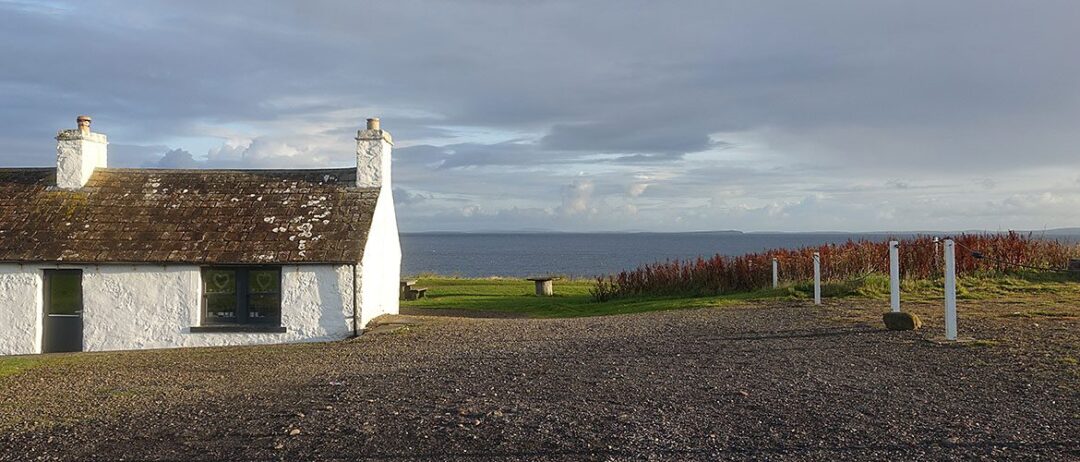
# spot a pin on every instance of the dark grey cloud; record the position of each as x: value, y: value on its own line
x: 647, y: 158
x: 464, y: 155
x: 645, y: 136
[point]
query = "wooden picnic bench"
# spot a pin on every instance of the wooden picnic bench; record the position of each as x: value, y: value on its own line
x: 409, y: 291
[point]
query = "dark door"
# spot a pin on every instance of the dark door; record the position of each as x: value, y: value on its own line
x: 63, y: 311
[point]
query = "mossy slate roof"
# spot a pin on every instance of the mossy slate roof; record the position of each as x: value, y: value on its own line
x: 186, y: 216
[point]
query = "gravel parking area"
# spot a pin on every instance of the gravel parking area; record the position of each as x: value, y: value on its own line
x: 770, y: 381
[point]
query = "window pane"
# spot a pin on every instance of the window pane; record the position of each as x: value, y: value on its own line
x: 220, y: 290
x: 219, y: 281
x: 265, y: 282
x: 65, y: 292
x: 220, y: 308
x: 264, y: 295
x: 264, y: 308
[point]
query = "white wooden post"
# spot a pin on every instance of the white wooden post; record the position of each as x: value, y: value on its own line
x: 950, y: 289
x: 775, y: 274
x: 937, y: 250
x: 817, y: 278
x: 894, y: 275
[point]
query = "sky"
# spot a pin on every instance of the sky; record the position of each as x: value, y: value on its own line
x: 584, y: 116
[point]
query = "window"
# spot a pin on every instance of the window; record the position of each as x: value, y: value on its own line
x: 241, y: 296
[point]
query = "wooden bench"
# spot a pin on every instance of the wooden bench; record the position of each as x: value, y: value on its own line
x: 413, y: 294
x: 410, y: 292
x: 544, y: 287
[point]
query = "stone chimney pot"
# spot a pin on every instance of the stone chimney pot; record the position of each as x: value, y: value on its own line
x: 83, y: 122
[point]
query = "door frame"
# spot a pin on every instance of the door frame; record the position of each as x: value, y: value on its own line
x: 46, y: 303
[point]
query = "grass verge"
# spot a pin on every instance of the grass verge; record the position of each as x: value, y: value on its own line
x: 17, y: 364
x: 571, y: 299
x: 1034, y: 294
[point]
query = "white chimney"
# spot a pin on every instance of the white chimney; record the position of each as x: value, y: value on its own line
x: 373, y: 147
x: 78, y: 153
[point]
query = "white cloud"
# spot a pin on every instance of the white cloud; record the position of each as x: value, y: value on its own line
x: 636, y: 189
x: 577, y: 198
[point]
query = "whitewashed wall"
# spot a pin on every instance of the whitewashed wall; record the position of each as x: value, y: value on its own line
x: 381, y: 266
x: 146, y: 306
x: 20, y: 309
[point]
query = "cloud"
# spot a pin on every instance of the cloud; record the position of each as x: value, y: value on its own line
x: 176, y: 158
x: 869, y: 107
x: 629, y: 136
x: 403, y: 197
x: 898, y: 184
x: 577, y: 198
x: 636, y: 189
x: 986, y: 183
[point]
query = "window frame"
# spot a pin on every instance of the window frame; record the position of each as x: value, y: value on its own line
x: 243, y: 321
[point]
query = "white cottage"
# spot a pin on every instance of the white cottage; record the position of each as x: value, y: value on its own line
x: 94, y: 258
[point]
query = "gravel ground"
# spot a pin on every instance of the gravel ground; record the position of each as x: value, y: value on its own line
x: 769, y: 382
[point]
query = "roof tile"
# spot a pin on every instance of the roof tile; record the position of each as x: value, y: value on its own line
x: 185, y: 216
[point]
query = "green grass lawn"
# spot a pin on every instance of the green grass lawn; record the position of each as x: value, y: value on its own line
x: 9, y: 366
x: 14, y: 365
x: 572, y: 297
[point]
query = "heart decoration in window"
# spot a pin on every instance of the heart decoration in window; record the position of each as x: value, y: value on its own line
x: 221, y: 281
x: 264, y: 281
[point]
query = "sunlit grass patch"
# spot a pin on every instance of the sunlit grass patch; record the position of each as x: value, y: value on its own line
x: 571, y: 299
x: 17, y: 364
x: 1031, y: 295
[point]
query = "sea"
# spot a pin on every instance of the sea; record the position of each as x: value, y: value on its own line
x: 587, y: 255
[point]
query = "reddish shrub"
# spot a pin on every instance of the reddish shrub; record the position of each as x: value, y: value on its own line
x: 920, y: 258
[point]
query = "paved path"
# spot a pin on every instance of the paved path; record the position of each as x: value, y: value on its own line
x: 772, y: 382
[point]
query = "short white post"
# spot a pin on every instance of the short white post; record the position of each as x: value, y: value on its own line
x: 894, y: 275
x: 937, y: 250
x: 775, y: 273
x: 817, y: 278
x: 950, y: 290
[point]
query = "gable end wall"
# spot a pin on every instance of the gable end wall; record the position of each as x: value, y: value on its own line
x: 381, y: 266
